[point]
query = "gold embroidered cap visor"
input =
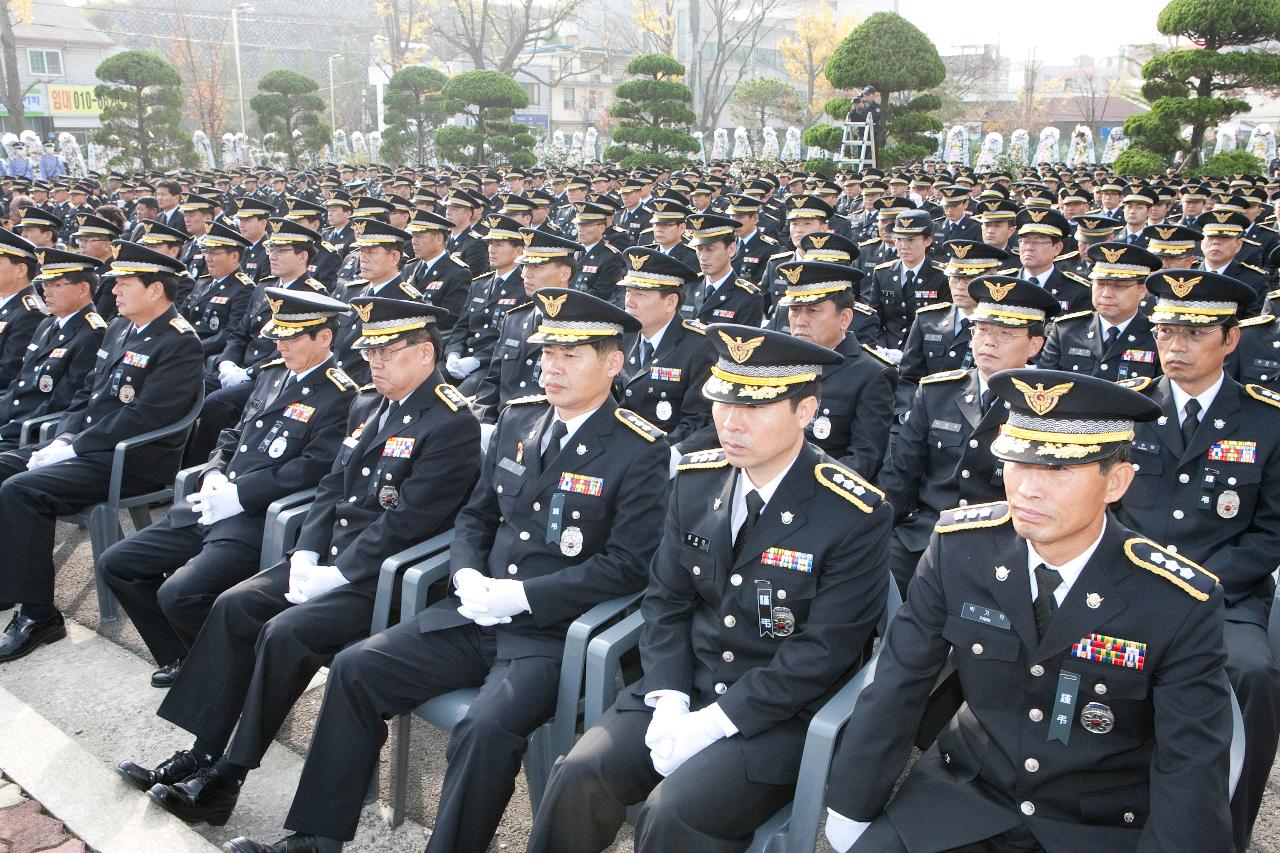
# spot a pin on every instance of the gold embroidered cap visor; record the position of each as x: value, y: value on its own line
x: 759, y: 366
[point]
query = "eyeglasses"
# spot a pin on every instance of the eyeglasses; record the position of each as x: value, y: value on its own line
x: 1122, y: 286
x: 383, y: 354
x: 997, y: 334
x: 1194, y: 335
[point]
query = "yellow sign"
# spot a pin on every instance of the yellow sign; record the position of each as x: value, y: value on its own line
x: 73, y: 100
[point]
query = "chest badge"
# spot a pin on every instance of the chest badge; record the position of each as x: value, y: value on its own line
x: 663, y: 410
x: 1097, y: 718
x: 1093, y: 601
x: 822, y: 427
x: 1002, y: 573
x: 1228, y: 504
x: 788, y: 517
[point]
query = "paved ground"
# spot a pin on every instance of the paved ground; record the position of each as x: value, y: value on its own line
x: 93, y: 688
x: 25, y: 826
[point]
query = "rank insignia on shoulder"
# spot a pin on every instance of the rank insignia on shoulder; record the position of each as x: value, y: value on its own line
x: 34, y: 303
x: 746, y: 285
x: 339, y: 377
x: 181, y: 325
x: 639, y: 425
x: 524, y: 401
x: 1190, y: 577
x: 945, y: 376
x: 694, y: 326
x: 886, y: 264
x: 864, y: 308
x: 1263, y: 319
x: 95, y: 321
x: 933, y: 306
x: 781, y: 254
x: 275, y: 362
x: 1137, y: 383
x: 327, y: 246
x: 766, y: 238
x: 1078, y: 279
x: 1265, y: 395
x: 874, y: 353
x: 366, y: 388
x: 410, y: 291
x: 1074, y: 315
x: 703, y: 459
x: 848, y: 485
x: 1256, y: 269
x: 244, y: 279
x: 452, y: 397
x: 972, y: 517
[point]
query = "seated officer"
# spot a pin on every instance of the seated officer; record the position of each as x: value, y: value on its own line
x: 21, y: 310
x: 668, y: 359
x: 562, y: 519
x: 441, y: 278
x: 765, y: 590
x: 1175, y: 245
x: 856, y: 404
x: 899, y: 288
x: 1208, y: 483
x: 720, y: 296
x: 941, y: 457
x: 475, y: 337
x: 285, y: 441
x: 669, y: 216
x: 832, y: 248
x: 1097, y: 714
x: 1114, y: 340
x: 62, y: 350
x: 409, y: 460
x: 1223, y: 232
x: 221, y: 298
x: 146, y: 376
x: 600, y: 265
x: 1041, y: 236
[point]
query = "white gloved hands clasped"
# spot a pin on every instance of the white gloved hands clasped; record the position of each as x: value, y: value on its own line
x: 487, y: 601
x: 217, y: 499
x: 315, y: 582
x: 300, y: 566
x: 58, y: 451
x: 683, y: 737
x: 231, y: 374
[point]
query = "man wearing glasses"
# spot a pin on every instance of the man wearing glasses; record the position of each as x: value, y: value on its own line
x: 411, y: 455
x: 1041, y: 235
x: 1114, y: 340
x: 1208, y: 484
x: 942, y: 456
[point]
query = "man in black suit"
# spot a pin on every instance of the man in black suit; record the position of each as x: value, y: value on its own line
x: 168, y: 575
x: 765, y: 590
x: 1207, y: 483
x: 1097, y: 713
x: 169, y: 196
x: 410, y: 457
x: 146, y: 376
x: 562, y: 519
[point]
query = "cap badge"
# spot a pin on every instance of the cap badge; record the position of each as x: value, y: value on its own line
x: 638, y: 261
x: 660, y: 206
x: 1039, y: 399
x: 792, y: 275
x: 80, y: 220
x: 1180, y: 287
x: 1037, y: 215
x: 819, y: 240
x: 115, y: 251
x: 696, y: 222
x: 1222, y: 215
x: 740, y: 350
x: 1000, y: 291
x: 1166, y: 233
x: 960, y: 250
x: 552, y: 304
x: 1091, y: 224
x: 147, y: 226
x: 362, y: 311
x: 493, y: 221
x: 992, y: 206
x: 1112, y: 255
x: 40, y: 258
x: 275, y: 304
x: 797, y: 201
x: 528, y: 239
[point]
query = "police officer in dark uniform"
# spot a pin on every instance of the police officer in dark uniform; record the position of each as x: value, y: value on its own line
x: 1097, y: 715
x: 1257, y: 359
x: 1041, y: 232
x: 441, y: 278
x: 668, y: 230
x: 901, y: 287
x: 1177, y: 246
x: 1207, y: 475
x: 668, y: 359
x: 146, y: 376
x: 21, y: 310
x: 1223, y: 232
x: 339, y: 232
x: 755, y: 246
x: 464, y: 209
x: 831, y: 248
x: 326, y: 262
x: 766, y: 586
x: 955, y: 223
x: 197, y: 212
x: 720, y: 296
x: 562, y: 518
x: 63, y: 349
x: 1113, y: 341
x: 805, y: 214
x: 1090, y: 229
x: 856, y: 403
x: 285, y: 441
x: 941, y: 456
x: 251, y: 217
x: 600, y: 264
x: 219, y: 301
x: 471, y: 344
x: 40, y: 227
x: 632, y: 216
x: 409, y: 460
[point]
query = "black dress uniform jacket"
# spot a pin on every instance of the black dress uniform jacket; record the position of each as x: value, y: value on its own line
x: 995, y: 768
x: 443, y: 284
x: 19, y: 317
x: 736, y: 300
x: 668, y: 391
x: 473, y: 251
x: 609, y: 483
x: 479, y: 329
x: 751, y: 256
x: 816, y: 555
x: 1245, y: 272
x: 58, y: 361
x: 254, y: 261
x: 245, y: 346
x: 515, y: 367
x: 344, y: 356
x: 896, y: 306
x: 599, y: 271
x: 1072, y: 292
x: 938, y: 341
x: 1075, y: 343
x: 944, y: 230
x: 1257, y: 357
x: 216, y: 307
x: 852, y: 421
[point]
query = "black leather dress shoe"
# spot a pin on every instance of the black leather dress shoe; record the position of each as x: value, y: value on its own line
x: 24, y: 635
x: 207, y: 797
x: 183, y: 764
x: 166, y: 675
x: 292, y: 844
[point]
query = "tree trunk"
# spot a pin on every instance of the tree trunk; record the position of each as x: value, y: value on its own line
x: 144, y: 143
x: 11, y: 92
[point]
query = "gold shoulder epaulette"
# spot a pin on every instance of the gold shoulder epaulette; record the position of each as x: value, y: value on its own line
x: 1074, y: 315
x: 1066, y: 256
x: 95, y: 321
x: 639, y: 425
x: 933, y: 306
x: 864, y: 308
x: 452, y: 397
x: 1258, y: 270
x: 776, y: 255
x: 1251, y: 242
x: 532, y: 398
x: 340, y: 378
x: 1265, y: 395
x: 1261, y: 319
x: 1191, y: 578
x: 328, y: 247
x: 34, y: 303
x: 848, y: 485
x: 1137, y: 383
x: 703, y: 459
x: 945, y: 376
x: 181, y: 325
x: 694, y: 326
x: 884, y: 264
x: 1077, y: 278
x: 410, y: 291
x: 245, y: 279
x: 275, y: 362
x: 366, y: 388
x: 317, y: 286
x: 612, y: 248
x: 474, y: 233
x: 769, y: 239
x: 870, y: 241
x: 1008, y: 271
x: 972, y: 517
x: 874, y: 353
x: 482, y: 275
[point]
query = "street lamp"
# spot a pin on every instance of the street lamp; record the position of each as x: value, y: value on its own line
x: 243, y: 8
x: 333, y: 110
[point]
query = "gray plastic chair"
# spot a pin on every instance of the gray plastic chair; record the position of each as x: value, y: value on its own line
x: 551, y: 740
x: 793, y: 828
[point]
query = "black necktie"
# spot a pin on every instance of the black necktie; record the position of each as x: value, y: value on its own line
x: 1045, y: 605
x: 646, y: 352
x: 755, y: 503
x: 387, y: 415
x: 909, y: 281
x: 1191, y: 421
x: 558, y: 431
x: 1113, y: 334
x: 1134, y: 238
x: 988, y: 397
x: 965, y: 324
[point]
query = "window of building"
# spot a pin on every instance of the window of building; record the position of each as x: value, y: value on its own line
x: 568, y: 98
x: 44, y: 63
x: 535, y: 93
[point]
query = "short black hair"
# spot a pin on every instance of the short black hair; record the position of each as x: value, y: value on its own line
x: 88, y: 277
x: 167, y: 280
x: 808, y: 389
x: 173, y: 187
x: 604, y: 346
x: 331, y: 324
x: 1120, y: 454
x: 844, y: 299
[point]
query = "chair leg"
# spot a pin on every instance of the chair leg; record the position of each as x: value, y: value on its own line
x: 400, y: 770
x: 537, y: 765
x: 104, y: 531
x: 141, y: 517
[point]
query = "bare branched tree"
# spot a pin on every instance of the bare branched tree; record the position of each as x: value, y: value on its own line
x: 11, y: 89
x: 201, y: 62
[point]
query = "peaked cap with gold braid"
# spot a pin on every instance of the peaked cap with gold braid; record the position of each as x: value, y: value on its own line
x: 295, y: 311
x: 758, y: 366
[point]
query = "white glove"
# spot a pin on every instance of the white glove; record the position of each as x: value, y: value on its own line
x: 497, y: 600
x: 486, y: 433
x: 894, y: 355
x: 843, y: 832
x: 472, y: 590
x: 675, y: 460
x: 216, y: 503
x: 58, y: 451
x: 231, y: 374
x: 317, y: 581
x: 300, y: 566
x: 467, y: 578
x: 450, y: 360
x: 692, y: 734
x: 213, y: 479
x: 465, y: 366
x: 670, y: 708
